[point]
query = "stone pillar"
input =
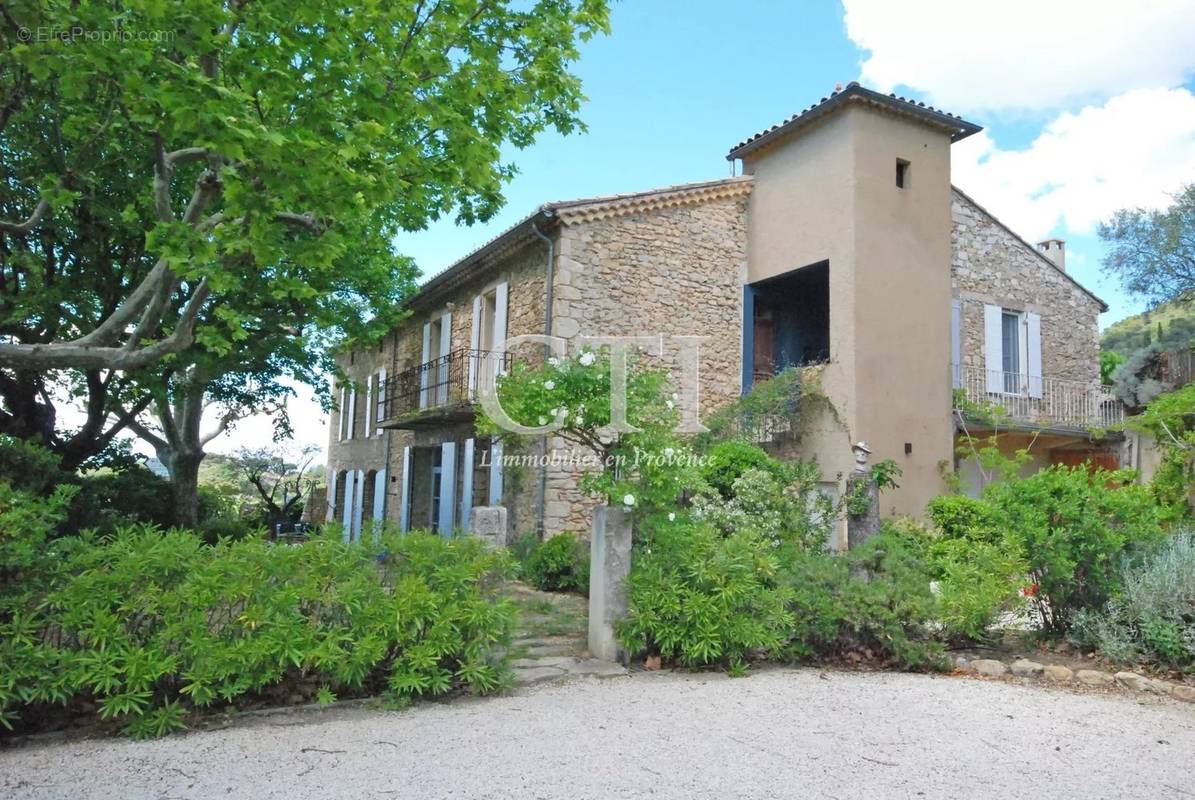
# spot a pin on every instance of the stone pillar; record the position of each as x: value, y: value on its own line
x: 488, y: 523
x: 609, y: 565
x: 862, y: 526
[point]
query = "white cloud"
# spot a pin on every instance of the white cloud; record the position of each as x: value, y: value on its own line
x: 1023, y: 54
x: 1135, y: 150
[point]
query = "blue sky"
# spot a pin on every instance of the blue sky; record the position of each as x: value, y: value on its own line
x: 676, y: 85
x: 1087, y: 107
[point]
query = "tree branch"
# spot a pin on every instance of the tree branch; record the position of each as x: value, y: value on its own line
x: 19, y: 228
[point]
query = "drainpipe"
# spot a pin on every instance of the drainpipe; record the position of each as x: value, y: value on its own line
x: 542, y: 490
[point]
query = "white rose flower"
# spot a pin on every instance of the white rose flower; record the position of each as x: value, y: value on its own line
x: 587, y: 359
x: 549, y: 385
x: 672, y: 516
x: 669, y: 404
x: 628, y: 500
x: 553, y: 361
x: 675, y: 396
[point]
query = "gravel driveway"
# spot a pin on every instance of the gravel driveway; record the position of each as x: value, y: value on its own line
x: 778, y: 733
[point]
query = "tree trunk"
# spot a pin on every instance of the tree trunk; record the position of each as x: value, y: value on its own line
x: 184, y: 484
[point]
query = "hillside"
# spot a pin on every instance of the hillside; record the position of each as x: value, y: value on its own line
x: 1172, y: 324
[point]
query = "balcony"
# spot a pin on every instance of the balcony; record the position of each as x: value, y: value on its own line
x: 440, y: 391
x: 1046, y: 403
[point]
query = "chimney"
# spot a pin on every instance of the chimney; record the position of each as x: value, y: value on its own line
x: 1055, y: 250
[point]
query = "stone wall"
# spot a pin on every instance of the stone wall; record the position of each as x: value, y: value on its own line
x: 671, y: 271
x: 991, y: 264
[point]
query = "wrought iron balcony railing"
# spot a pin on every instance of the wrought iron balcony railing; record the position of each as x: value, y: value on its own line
x: 1042, y: 402
x: 451, y: 380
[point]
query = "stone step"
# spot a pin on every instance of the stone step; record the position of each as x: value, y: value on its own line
x: 530, y: 671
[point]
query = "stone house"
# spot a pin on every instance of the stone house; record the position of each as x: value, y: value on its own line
x: 840, y: 241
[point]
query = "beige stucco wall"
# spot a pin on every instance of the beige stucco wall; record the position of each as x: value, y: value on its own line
x: 993, y: 265
x: 828, y: 192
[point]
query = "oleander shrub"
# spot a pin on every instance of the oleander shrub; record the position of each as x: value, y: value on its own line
x: 1152, y: 616
x: 1074, y: 527
x: 149, y: 625
x: 696, y: 596
x: 558, y: 564
x: 699, y: 597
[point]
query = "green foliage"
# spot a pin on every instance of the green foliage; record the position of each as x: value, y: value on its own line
x: 1171, y: 325
x: 265, y: 120
x: 872, y: 603
x: 779, y: 406
x: 726, y: 461
x: 1152, y: 616
x: 571, y: 398
x: 698, y: 597
x: 151, y: 624
x: 26, y: 466
x: 976, y: 581
x: 1170, y: 420
x: 1073, y: 525
x: 957, y: 516
x: 110, y: 499
x: 793, y: 512
x: 1110, y: 361
x: 1152, y: 251
x: 27, y: 522
x: 558, y: 564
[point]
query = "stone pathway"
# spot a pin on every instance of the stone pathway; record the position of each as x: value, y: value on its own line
x: 551, y: 642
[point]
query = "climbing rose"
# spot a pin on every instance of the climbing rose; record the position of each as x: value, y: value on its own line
x: 549, y: 385
x: 587, y: 359
x: 628, y: 500
x: 672, y: 516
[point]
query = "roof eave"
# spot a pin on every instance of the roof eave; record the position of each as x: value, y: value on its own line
x: 957, y: 127
x: 464, y: 270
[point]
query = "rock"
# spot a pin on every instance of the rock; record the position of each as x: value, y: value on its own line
x: 1131, y: 680
x: 1093, y: 677
x: 548, y: 661
x: 961, y: 662
x: 1024, y: 668
x: 1184, y: 693
x: 988, y: 666
x: 1140, y: 683
x: 528, y: 676
x: 1058, y: 673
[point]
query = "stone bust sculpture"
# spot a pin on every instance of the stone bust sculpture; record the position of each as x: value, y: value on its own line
x: 861, y: 451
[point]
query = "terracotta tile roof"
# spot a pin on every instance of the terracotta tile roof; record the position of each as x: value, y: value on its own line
x: 956, y: 126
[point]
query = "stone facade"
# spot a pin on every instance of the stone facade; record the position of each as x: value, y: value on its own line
x: 676, y: 270
x: 666, y: 264
x: 994, y: 265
